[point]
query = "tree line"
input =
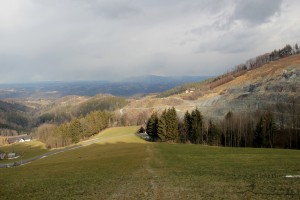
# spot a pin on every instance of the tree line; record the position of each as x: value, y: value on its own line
x: 72, y: 132
x: 253, y: 63
x: 261, y: 128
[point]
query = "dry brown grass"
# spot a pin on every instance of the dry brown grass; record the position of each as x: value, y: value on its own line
x: 272, y: 69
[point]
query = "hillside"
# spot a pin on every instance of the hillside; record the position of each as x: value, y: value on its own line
x: 13, y: 116
x: 277, y: 82
x: 122, y: 166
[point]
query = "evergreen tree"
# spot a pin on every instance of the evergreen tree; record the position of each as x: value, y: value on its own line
x: 187, y: 126
x: 196, y: 126
x: 229, y: 134
x: 152, y: 126
x: 172, y: 125
x: 259, y: 136
x: 212, y: 133
x: 168, y: 124
x: 162, y: 126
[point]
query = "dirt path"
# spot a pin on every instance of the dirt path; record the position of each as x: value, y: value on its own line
x: 143, y: 183
x: 154, y: 178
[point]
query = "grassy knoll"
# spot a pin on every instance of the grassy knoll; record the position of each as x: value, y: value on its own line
x: 25, y: 149
x: 128, y: 168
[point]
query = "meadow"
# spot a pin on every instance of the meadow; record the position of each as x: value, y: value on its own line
x: 25, y: 149
x: 123, y: 166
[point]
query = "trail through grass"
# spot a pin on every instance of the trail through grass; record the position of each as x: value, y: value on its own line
x: 125, y: 167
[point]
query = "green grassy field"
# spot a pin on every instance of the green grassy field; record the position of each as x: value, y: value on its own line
x: 25, y: 149
x: 126, y: 167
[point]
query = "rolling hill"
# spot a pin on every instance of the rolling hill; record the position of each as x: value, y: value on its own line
x: 273, y: 84
x: 141, y: 85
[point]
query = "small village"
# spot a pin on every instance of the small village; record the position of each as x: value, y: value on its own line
x: 12, y: 140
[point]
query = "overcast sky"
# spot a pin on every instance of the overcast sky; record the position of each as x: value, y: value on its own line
x: 69, y: 40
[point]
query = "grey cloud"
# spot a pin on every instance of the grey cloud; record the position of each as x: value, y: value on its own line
x: 256, y: 11
x: 230, y: 42
x: 115, y: 10
x: 100, y: 39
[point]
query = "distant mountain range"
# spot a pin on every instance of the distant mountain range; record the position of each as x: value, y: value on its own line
x: 141, y: 85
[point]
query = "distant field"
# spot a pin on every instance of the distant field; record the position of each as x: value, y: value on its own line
x: 119, y: 134
x: 25, y: 149
x: 126, y: 167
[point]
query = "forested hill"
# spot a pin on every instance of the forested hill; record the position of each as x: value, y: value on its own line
x: 266, y: 94
x: 13, y: 116
x: 236, y: 71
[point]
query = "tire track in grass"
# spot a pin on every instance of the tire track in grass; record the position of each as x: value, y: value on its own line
x: 154, y: 178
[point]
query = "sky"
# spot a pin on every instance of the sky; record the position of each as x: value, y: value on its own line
x: 72, y: 40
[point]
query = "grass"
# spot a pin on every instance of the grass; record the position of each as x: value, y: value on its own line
x: 25, y: 149
x: 198, y: 172
x: 119, y: 134
x: 125, y: 167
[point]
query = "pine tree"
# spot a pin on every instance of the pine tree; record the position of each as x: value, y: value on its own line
x: 187, y: 127
x: 162, y: 126
x: 212, y: 133
x: 196, y: 126
x: 152, y: 126
x: 229, y: 134
x: 259, y: 136
x: 172, y: 126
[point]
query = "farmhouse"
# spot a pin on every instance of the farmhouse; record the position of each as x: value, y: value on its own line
x: 17, y: 139
x: 12, y: 156
x: 191, y: 90
x: 2, y: 156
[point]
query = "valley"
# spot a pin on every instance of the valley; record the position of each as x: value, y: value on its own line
x: 154, y: 100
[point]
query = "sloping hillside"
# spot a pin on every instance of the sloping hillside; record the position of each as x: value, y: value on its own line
x: 13, y: 116
x: 275, y: 83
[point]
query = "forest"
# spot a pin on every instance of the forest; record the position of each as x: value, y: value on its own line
x: 262, y: 128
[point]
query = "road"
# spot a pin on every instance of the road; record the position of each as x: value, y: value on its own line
x: 82, y: 144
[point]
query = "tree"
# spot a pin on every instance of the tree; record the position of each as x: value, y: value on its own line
x: 229, y: 129
x: 259, y: 135
x: 196, y: 127
x: 269, y: 128
x: 172, y: 125
x: 75, y: 130
x: 187, y: 127
x: 212, y: 133
x: 168, y: 125
x: 162, y: 126
x: 152, y: 126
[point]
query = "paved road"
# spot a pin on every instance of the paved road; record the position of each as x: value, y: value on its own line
x: 84, y: 143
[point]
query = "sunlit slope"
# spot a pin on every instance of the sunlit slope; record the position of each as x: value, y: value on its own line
x: 26, y: 150
x: 263, y: 87
x: 119, y: 134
